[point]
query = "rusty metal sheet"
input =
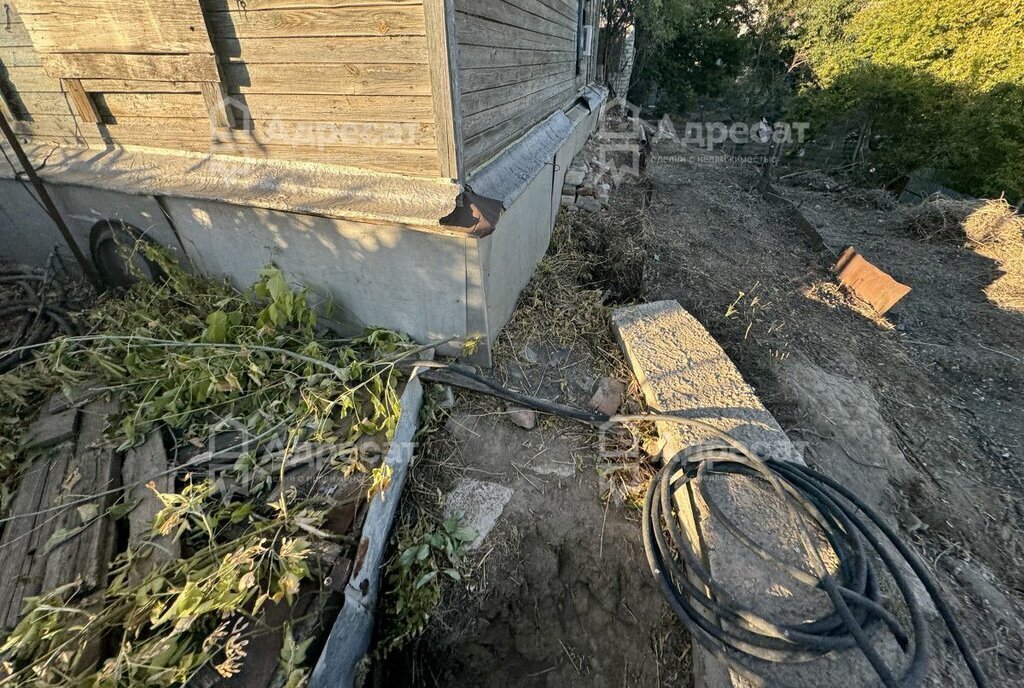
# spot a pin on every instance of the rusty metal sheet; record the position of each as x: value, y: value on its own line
x: 869, y: 282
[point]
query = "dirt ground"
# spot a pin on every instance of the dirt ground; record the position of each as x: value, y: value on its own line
x: 920, y: 412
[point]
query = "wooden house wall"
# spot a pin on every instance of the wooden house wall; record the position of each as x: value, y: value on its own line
x: 347, y: 85
x: 517, y: 63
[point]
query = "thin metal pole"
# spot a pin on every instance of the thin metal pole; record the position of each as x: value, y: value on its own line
x: 44, y: 197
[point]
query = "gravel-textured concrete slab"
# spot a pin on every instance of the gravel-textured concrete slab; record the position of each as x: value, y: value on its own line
x: 684, y: 371
x: 480, y: 504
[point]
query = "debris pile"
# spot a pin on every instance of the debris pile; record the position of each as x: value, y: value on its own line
x: 34, y: 305
x: 234, y: 441
x: 586, y: 186
x: 969, y: 223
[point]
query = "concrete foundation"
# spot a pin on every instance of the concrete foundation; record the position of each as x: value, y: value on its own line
x: 432, y: 284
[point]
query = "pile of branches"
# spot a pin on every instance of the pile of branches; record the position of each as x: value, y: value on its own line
x: 191, y: 357
x: 33, y: 305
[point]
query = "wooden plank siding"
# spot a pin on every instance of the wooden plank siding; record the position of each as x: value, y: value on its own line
x: 517, y: 64
x: 331, y: 81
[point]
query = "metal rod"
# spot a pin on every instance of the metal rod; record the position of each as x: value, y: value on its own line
x: 51, y: 209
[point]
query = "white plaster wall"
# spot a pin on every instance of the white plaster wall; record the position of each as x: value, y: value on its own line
x: 27, y: 235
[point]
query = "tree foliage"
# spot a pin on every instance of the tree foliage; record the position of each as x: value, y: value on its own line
x: 938, y: 83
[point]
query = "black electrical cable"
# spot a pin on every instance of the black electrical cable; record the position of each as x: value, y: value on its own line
x: 818, y: 507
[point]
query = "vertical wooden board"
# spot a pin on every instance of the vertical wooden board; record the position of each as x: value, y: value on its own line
x: 52, y: 437
x: 143, y: 465
x: 214, y: 97
x: 440, y: 30
x: 116, y: 26
x: 93, y: 470
x: 17, y: 560
x: 80, y: 100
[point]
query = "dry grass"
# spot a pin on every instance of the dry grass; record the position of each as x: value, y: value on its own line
x: 594, y: 260
x: 991, y: 228
x: 964, y: 223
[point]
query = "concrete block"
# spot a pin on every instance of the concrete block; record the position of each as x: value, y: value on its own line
x: 479, y: 504
x: 575, y: 176
x: 568, y: 200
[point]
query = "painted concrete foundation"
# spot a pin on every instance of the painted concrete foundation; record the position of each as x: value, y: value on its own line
x: 433, y: 285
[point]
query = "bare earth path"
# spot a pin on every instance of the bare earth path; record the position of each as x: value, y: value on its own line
x: 922, y: 413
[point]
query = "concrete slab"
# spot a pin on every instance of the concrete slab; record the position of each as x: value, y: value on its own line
x: 682, y: 370
x: 480, y: 504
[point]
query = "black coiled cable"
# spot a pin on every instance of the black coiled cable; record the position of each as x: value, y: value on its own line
x: 856, y: 534
x: 859, y: 537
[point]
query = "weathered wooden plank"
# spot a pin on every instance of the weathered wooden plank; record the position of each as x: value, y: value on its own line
x: 303, y: 134
x: 487, y: 57
x: 476, y: 80
x: 256, y: 5
x: 93, y: 470
x: 439, y: 30
x: 215, y: 98
x: 547, y: 12
x: 18, y: 56
x: 143, y: 465
x: 487, y: 108
x: 141, y: 67
x: 52, y: 429
x: 12, y: 30
x: 29, y: 79
x: 337, y: 49
x: 29, y: 104
x: 81, y: 103
x: 115, y: 26
x: 341, y: 108
x: 472, y: 30
x: 482, y: 146
x: 400, y: 20
x: 508, y: 14
x: 413, y: 162
x: 136, y: 86
x: 42, y: 527
x: 564, y: 8
x: 409, y: 135
x: 17, y: 541
x: 390, y: 159
x: 348, y: 79
x: 150, y: 105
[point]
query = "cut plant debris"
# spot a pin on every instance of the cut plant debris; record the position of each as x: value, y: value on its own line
x: 271, y: 429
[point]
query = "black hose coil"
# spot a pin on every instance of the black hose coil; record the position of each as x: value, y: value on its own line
x: 856, y: 534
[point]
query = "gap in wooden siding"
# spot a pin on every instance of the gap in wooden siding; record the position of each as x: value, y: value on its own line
x: 517, y: 65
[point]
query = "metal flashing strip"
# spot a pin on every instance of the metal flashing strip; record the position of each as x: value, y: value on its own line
x: 506, y: 177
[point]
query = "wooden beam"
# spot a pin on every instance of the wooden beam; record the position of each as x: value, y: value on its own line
x: 214, y: 96
x: 196, y: 67
x: 80, y: 100
x: 116, y: 26
x: 440, y: 25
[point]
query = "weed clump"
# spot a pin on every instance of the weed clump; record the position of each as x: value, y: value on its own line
x: 198, y: 357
